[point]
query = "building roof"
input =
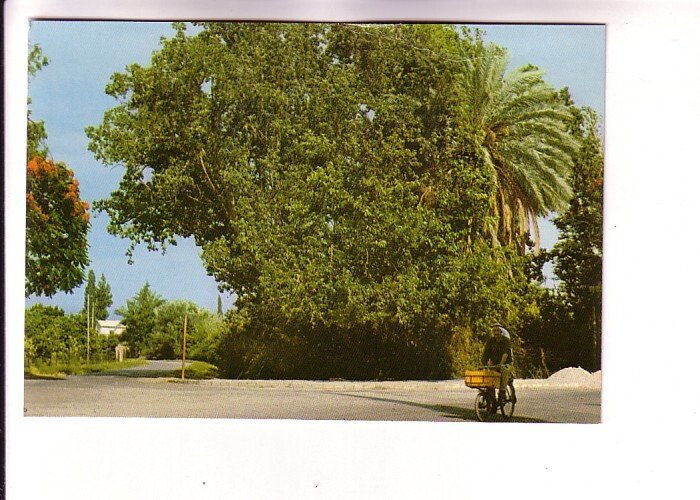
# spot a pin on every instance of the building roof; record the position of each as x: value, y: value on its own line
x: 109, y: 323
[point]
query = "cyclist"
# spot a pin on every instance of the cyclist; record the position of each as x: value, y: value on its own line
x: 498, y: 353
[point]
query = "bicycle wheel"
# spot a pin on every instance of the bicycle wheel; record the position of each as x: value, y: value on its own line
x: 507, y: 407
x: 481, y: 406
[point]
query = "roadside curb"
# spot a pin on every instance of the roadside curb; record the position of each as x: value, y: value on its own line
x: 355, y: 386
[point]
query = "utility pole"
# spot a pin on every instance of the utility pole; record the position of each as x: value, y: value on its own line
x: 184, y: 347
x: 87, y: 317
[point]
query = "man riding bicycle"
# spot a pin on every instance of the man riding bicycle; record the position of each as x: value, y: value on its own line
x: 499, y: 354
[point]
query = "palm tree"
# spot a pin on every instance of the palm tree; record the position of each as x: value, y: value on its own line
x: 520, y: 126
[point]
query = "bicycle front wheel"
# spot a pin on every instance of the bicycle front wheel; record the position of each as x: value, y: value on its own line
x: 507, y: 406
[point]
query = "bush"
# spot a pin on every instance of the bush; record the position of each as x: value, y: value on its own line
x: 205, y: 337
x: 50, y: 336
x: 466, y: 351
x: 102, y: 347
x: 204, y: 330
x: 199, y: 370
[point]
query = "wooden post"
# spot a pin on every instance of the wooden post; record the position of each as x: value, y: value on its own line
x: 184, y: 347
x: 87, y: 316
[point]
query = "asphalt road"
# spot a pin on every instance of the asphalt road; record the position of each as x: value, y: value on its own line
x: 145, y: 392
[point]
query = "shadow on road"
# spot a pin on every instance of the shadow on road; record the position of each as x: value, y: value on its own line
x: 455, y: 412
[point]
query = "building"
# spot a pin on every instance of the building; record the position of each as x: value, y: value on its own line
x: 109, y: 326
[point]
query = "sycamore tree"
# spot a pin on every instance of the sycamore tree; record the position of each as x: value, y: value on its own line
x: 332, y: 181
x: 57, y: 219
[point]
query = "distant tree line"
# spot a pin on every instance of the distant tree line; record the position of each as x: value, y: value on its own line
x: 51, y: 337
x: 154, y: 330
x: 155, y: 327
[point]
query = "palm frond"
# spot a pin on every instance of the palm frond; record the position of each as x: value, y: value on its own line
x: 523, y: 131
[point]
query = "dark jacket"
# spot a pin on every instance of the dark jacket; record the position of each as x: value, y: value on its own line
x: 495, y: 348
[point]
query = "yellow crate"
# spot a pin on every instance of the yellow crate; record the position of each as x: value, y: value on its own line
x: 482, y: 378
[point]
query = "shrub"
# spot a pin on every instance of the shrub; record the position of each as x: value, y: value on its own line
x: 199, y: 370
x: 51, y: 336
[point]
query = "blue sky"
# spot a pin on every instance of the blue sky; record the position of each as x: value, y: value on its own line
x: 69, y: 95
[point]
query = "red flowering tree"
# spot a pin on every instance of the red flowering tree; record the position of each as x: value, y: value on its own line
x: 57, y: 219
x: 57, y: 225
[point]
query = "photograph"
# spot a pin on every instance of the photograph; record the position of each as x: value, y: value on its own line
x: 345, y: 221
x: 339, y: 249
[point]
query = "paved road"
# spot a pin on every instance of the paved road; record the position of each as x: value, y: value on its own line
x: 141, y: 395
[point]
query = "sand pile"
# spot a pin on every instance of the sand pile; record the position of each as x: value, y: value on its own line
x: 575, y: 377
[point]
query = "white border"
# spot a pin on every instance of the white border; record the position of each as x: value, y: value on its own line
x: 650, y: 248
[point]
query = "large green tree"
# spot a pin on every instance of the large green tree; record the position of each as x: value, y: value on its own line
x: 139, y: 318
x: 578, y: 256
x: 100, y: 294
x: 567, y: 330
x: 103, y: 298
x: 331, y: 179
x: 204, y: 330
x: 166, y: 342
x: 57, y: 225
x: 57, y: 219
x: 521, y: 128
x: 89, y: 295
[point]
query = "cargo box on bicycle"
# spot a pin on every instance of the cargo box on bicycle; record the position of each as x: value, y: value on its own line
x: 479, y: 379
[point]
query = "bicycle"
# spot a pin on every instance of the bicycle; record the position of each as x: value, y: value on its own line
x: 487, y: 405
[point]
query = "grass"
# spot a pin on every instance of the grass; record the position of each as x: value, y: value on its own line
x: 33, y: 372
x: 59, y: 371
x: 198, y: 370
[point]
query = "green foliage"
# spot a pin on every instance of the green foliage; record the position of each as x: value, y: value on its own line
x: 166, y: 341
x: 51, y: 336
x: 36, y: 131
x: 198, y: 370
x: 34, y: 373
x: 100, y: 296
x: 341, y: 180
x: 57, y: 219
x: 139, y: 318
x: 37, y: 60
x: 154, y: 328
x: 204, y: 331
x: 568, y: 330
x: 103, y: 298
x: 102, y: 347
x: 89, y: 291
x: 59, y: 371
x: 204, y: 335
x: 520, y: 127
x: 578, y: 256
x: 466, y: 349
x: 57, y: 225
